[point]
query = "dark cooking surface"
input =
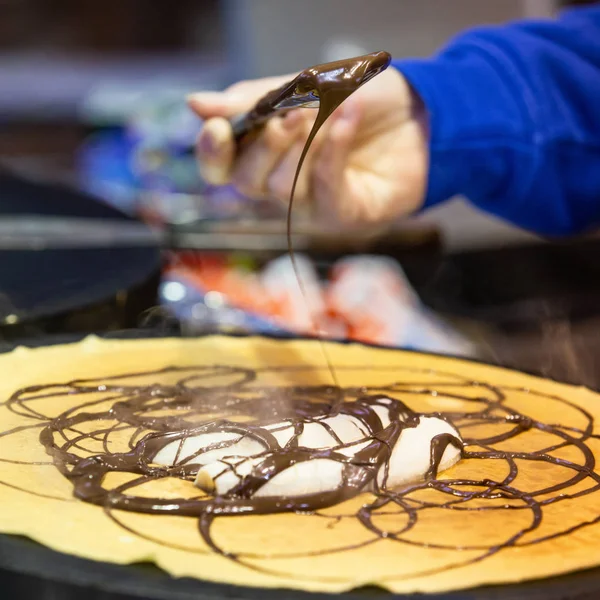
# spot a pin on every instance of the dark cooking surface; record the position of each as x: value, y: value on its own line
x: 36, y: 284
x: 19, y: 196
x: 32, y: 571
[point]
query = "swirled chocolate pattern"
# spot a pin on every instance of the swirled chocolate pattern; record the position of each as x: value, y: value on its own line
x: 104, y: 445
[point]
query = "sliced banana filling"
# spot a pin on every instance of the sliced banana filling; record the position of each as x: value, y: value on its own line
x: 299, y: 457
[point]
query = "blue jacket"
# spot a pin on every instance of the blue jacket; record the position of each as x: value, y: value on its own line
x: 515, y: 120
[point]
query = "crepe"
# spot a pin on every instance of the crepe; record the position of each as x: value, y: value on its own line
x: 529, y: 470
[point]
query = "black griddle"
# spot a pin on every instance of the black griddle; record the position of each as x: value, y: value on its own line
x: 50, y: 290
x: 29, y: 570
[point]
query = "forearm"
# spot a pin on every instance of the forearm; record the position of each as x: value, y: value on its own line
x: 515, y: 121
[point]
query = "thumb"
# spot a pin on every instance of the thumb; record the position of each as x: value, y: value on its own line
x: 237, y: 99
x: 215, y: 149
x: 219, y: 104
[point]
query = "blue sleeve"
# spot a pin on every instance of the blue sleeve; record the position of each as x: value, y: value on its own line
x: 515, y: 120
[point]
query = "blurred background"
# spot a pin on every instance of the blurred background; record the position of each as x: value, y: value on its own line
x: 94, y: 131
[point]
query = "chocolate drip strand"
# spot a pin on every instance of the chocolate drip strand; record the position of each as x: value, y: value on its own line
x: 331, y: 84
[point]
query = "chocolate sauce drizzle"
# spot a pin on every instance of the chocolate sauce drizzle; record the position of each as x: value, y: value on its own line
x: 330, y: 84
x: 156, y: 414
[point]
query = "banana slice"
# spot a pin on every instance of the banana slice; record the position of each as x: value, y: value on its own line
x: 226, y: 459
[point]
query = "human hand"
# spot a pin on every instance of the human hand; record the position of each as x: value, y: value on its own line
x: 367, y: 165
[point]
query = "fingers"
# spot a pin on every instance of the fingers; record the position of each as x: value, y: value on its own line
x: 267, y: 166
x: 215, y: 151
x: 332, y: 187
x: 252, y: 170
x: 236, y: 99
x: 281, y: 178
x: 218, y: 104
x: 220, y: 162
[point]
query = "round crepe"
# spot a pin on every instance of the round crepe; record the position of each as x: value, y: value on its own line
x: 521, y: 535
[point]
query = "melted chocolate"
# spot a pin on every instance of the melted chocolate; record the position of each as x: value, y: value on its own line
x: 154, y: 415
x: 331, y: 83
x: 328, y: 85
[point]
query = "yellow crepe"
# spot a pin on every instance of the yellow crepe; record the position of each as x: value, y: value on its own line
x: 446, y: 548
